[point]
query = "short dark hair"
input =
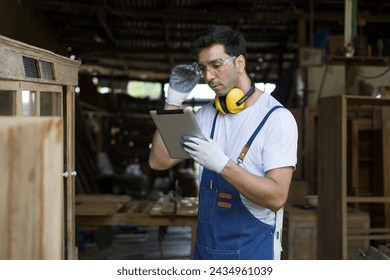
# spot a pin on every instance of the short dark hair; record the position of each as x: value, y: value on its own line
x: 233, y: 41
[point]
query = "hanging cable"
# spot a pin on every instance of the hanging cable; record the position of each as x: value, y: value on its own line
x: 374, y: 77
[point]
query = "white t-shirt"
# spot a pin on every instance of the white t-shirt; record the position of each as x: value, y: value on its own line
x: 275, y: 146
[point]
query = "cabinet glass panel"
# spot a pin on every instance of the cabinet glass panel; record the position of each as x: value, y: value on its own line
x: 7, y: 103
x: 28, y: 103
x: 50, y: 103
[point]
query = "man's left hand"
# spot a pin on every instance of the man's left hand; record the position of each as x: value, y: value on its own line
x: 206, y: 152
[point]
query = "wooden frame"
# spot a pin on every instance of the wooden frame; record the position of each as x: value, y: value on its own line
x: 332, y: 177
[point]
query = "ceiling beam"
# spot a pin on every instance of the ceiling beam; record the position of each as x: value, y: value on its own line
x: 200, y: 14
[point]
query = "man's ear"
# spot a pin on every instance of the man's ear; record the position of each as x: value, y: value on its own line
x: 241, y: 63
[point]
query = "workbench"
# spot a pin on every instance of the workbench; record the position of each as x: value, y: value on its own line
x: 116, y: 210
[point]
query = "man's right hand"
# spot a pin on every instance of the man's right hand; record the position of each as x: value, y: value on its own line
x: 182, y: 81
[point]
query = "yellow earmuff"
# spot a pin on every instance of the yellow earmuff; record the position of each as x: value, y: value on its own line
x: 234, y: 101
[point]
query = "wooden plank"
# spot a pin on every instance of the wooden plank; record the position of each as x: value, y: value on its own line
x: 99, y: 205
x: 130, y: 207
x: 369, y: 230
x: 97, y: 208
x: 185, y: 207
x: 332, y: 152
x: 366, y: 100
x: 369, y: 237
x: 385, y: 114
x: 368, y: 199
x: 101, y: 198
x: 331, y: 177
x: 70, y: 251
x: 31, y: 197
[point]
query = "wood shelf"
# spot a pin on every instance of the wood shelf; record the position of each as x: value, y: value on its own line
x: 368, y: 199
x: 363, y: 60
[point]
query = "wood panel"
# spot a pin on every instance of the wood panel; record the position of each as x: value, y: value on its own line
x: 12, y: 68
x: 31, y: 198
x: 331, y: 173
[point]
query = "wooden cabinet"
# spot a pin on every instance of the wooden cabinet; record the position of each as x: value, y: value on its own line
x: 300, y: 237
x: 38, y: 83
x: 300, y: 241
x: 352, y: 173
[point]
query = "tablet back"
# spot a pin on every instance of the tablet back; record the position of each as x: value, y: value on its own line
x: 172, y: 126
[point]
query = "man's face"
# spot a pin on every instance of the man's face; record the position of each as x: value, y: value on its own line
x: 218, y: 69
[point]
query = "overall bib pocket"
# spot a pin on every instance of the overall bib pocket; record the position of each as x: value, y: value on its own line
x: 207, y: 197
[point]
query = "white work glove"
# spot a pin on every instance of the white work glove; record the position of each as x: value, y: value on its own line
x: 182, y: 81
x: 205, y: 152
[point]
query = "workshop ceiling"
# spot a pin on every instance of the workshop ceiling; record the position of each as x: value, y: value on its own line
x: 144, y: 39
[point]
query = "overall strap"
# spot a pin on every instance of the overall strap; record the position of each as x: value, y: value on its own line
x: 246, y: 147
x: 213, y: 127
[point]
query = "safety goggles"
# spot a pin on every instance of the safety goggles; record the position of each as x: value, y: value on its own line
x: 215, y: 65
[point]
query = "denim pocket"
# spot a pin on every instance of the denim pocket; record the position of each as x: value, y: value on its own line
x: 223, y: 254
x: 205, y: 253
x: 207, y: 202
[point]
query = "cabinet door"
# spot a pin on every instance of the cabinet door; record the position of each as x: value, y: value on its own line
x: 31, y: 188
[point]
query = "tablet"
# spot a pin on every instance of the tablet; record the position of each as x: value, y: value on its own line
x: 172, y: 126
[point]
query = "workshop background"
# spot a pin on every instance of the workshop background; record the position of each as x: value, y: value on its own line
x: 79, y: 77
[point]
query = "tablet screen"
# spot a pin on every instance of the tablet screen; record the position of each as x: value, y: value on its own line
x: 172, y: 126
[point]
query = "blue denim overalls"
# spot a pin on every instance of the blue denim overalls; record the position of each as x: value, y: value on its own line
x: 226, y: 230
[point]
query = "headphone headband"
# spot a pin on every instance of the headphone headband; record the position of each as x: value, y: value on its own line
x: 247, y: 95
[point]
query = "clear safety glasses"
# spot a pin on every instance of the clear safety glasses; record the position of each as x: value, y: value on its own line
x: 215, y: 65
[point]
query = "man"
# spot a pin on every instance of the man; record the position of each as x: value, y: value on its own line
x: 248, y: 158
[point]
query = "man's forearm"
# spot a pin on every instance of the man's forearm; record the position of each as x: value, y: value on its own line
x: 270, y: 191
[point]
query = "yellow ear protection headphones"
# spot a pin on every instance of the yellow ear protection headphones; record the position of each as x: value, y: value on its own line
x: 234, y: 101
